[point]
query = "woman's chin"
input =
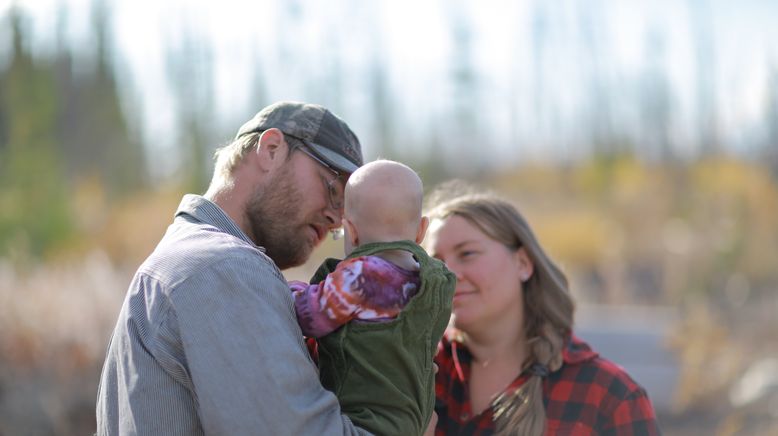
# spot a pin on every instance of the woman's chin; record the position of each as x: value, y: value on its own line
x: 462, y: 319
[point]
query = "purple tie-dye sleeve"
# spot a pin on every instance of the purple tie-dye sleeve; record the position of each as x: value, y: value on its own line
x: 366, y: 288
x: 312, y: 319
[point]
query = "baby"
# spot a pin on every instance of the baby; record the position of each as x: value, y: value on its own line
x: 383, y: 202
x: 379, y: 314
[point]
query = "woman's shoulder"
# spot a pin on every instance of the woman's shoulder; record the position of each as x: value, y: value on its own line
x: 583, y: 365
x: 604, y: 393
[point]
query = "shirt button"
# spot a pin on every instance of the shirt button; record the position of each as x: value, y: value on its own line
x: 464, y: 416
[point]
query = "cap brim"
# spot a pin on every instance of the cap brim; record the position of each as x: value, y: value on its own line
x: 339, y: 162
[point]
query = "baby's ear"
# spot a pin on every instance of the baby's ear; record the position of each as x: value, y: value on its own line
x: 350, y: 232
x: 422, y: 231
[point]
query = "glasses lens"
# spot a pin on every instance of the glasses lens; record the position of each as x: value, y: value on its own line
x: 336, y: 198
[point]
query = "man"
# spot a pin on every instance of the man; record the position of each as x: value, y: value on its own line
x: 207, y: 341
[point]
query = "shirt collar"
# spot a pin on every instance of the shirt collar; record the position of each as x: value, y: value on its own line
x: 576, y: 352
x: 208, y: 212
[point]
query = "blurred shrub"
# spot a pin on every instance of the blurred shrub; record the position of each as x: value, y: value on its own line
x: 666, y: 229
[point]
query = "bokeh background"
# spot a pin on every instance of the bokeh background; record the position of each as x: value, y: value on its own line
x: 640, y: 139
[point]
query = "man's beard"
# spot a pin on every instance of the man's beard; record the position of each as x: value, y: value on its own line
x: 273, y: 214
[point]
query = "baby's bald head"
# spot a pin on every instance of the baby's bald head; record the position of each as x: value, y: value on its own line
x: 384, y: 201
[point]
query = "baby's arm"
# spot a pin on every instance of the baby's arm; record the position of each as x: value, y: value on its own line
x: 313, y: 321
x: 359, y: 288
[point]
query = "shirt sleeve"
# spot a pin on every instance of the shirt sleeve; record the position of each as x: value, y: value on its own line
x: 359, y: 288
x: 246, y: 357
x: 633, y: 416
x: 315, y: 319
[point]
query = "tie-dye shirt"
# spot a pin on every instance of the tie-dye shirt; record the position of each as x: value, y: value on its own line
x: 366, y: 288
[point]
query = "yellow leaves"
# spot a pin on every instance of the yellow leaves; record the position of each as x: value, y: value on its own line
x: 728, y: 176
x: 533, y: 179
x: 631, y: 179
x: 89, y: 203
x: 688, y: 223
x: 579, y: 237
x: 135, y: 225
x: 709, y: 359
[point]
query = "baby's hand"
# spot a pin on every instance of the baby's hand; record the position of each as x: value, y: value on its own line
x: 297, y: 285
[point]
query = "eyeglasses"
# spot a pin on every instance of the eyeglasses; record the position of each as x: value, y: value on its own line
x: 335, y: 195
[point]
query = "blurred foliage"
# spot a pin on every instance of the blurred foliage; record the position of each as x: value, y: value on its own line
x: 655, y: 232
x: 33, y: 203
x: 189, y: 65
x: 77, y: 215
x: 58, y: 130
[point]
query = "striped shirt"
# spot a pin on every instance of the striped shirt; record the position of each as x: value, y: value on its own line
x: 207, y: 342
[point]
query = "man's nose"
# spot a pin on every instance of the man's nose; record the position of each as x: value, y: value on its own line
x: 334, y: 217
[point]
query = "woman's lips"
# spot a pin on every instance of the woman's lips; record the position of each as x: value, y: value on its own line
x: 462, y: 294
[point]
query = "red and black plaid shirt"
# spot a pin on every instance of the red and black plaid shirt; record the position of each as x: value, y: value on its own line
x: 587, y: 395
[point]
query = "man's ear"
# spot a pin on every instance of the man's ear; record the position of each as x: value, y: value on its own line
x: 272, y: 149
x: 422, y: 231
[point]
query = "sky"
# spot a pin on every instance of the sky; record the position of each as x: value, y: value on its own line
x: 533, y: 60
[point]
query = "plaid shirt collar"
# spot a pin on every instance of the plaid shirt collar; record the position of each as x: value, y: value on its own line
x: 587, y: 395
x: 576, y: 352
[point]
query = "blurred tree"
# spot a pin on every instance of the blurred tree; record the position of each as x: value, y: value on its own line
x: 383, y: 109
x: 539, y: 35
x: 190, y: 72
x: 33, y: 201
x: 91, y: 126
x: 333, y: 70
x: 431, y: 165
x: 655, y: 104
x: 770, y: 149
x: 58, y: 130
x: 598, y: 114
x: 544, y: 30
x: 289, y: 17
x: 466, y: 144
x: 258, y: 92
x: 702, y: 27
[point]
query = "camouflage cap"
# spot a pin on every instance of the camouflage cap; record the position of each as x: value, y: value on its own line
x: 323, y: 132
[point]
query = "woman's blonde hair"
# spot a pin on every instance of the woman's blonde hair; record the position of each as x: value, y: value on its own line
x: 548, y: 307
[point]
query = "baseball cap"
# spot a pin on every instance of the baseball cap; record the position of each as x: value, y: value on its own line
x: 320, y: 130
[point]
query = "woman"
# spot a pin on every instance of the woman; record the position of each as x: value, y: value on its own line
x: 510, y: 364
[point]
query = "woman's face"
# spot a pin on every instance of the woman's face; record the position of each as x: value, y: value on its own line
x: 489, y: 274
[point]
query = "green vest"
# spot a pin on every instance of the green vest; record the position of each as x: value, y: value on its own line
x: 382, y: 372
